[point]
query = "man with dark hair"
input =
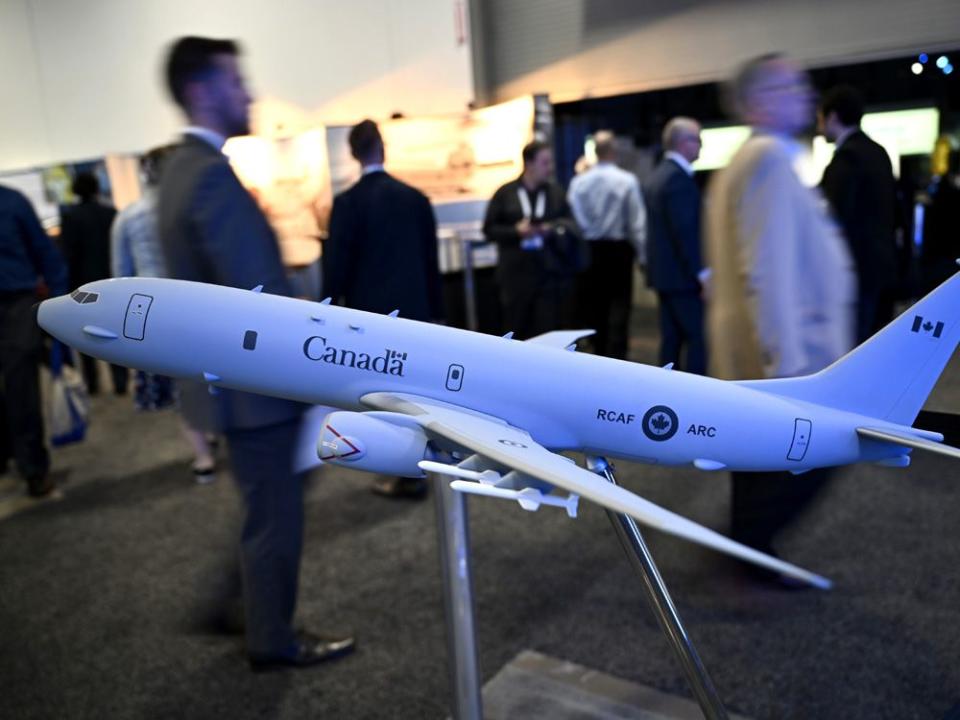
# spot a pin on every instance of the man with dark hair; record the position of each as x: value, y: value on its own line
x: 211, y: 230
x: 27, y: 256
x: 781, y: 285
x: 608, y: 206
x: 861, y: 189
x: 674, y: 263
x: 381, y: 254
x: 85, y: 239
x: 540, y: 248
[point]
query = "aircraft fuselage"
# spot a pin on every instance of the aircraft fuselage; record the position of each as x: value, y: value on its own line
x: 323, y: 354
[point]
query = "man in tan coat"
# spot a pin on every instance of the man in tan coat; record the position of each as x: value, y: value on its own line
x: 782, y: 286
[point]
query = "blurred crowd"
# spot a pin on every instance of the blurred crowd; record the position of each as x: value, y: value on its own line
x: 757, y: 275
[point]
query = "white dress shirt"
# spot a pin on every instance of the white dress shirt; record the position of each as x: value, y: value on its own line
x: 607, y: 204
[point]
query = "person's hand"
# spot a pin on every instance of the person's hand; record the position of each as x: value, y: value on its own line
x: 525, y: 228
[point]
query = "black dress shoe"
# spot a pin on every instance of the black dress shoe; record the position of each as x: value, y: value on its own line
x: 310, y: 650
x: 40, y: 486
x: 400, y: 487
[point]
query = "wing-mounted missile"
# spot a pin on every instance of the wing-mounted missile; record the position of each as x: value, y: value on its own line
x: 528, y: 492
x: 373, y: 442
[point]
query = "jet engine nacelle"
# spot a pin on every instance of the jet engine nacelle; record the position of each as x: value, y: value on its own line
x: 376, y: 442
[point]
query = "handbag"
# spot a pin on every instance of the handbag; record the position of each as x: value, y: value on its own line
x: 69, y: 403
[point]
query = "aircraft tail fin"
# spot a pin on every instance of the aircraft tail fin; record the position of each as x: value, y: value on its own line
x: 890, y: 375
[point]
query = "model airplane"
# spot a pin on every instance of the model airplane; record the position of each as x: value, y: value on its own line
x: 495, y: 412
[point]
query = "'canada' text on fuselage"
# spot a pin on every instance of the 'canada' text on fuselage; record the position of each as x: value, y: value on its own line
x: 390, y: 362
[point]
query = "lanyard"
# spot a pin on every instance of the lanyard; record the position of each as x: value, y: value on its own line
x: 541, y: 207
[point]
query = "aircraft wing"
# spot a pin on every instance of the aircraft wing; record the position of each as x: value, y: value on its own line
x: 512, y: 447
x: 910, y: 441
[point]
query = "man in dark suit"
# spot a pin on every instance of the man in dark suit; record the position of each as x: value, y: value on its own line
x: 540, y: 247
x: 212, y: 231
x: 381, y: 254
x: 861, y: 190
x: 673, y: 247
x: 28, y: 262
x: 85, y: 239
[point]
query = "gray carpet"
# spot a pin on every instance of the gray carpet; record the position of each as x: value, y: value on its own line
x: 101, y: 593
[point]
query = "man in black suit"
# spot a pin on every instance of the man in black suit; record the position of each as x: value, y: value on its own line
x: 212, y: 231
x: 85, y: 239
x: 673, y: 247
x: 540, y: 247
x: 29, y: 262
x: 861, y: 190
x: 381, y: 255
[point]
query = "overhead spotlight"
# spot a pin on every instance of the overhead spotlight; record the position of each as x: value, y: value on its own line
x: 948, y: 68
x: 923, y: 58
x: 916, y: 68
x: 943, y: 61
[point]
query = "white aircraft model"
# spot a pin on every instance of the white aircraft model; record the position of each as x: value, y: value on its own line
x: 494, y: 412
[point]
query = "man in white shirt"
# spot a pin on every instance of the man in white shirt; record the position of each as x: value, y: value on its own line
x: 607, y: 204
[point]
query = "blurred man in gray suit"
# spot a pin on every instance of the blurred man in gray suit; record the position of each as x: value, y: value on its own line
x: 212, y: 231
x: 782, y: 284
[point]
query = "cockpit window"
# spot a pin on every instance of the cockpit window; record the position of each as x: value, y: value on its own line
x: 84, y: 297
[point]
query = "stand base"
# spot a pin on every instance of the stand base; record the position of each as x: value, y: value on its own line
x: 539, y: 687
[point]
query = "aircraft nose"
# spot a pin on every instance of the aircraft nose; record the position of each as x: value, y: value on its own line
x: 46, y: 315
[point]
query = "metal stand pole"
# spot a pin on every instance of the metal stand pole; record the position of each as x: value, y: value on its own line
x: 661, y: 603
x: 454, y: 542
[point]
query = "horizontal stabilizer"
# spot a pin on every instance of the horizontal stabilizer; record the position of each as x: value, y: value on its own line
x: 909, y: 441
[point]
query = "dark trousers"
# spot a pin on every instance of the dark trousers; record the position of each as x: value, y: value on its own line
x: 766, y: 502
x: 533, y: 305
x: 681, y: 324
x: 874, y: 311
x: 272, y: 537
x: 118, y: 373
x: 21, y: 420
x: 604, y: 295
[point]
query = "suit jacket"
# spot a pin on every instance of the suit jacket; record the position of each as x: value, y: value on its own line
x: 381, y: 253
x: 673, y: 229
x: 212, y: 231
x: 563, y: 252
x: 860, y: 186
x: 85, y: 239
x: 782, y: 284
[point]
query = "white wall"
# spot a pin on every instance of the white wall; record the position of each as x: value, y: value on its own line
x: 581, y: 48
x: 23, y: 136
x: 84, y: 77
